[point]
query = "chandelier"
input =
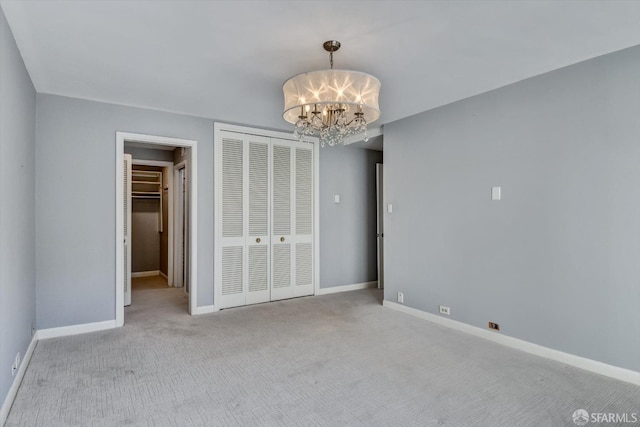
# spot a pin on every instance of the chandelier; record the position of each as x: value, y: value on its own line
x: 331, y: 104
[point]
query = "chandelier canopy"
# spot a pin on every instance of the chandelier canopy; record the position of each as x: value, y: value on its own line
x: 331, y: 104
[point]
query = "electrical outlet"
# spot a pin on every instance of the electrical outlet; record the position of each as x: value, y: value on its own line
x: 445, y: 310
x: 494, y: 326
x: 400, y: 297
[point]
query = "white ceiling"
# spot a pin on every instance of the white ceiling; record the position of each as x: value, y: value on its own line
x: 227, y: 60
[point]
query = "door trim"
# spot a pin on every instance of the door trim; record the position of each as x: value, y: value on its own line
x: 121, y: 138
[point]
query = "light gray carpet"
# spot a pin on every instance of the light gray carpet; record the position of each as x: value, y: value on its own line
x: 333, y: 360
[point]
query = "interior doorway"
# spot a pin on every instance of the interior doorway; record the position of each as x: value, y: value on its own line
x: 152, y: 185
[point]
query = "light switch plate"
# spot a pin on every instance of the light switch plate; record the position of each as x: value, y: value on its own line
x: 496, y: 193
x: 336, y: 198
x: 390, y: 208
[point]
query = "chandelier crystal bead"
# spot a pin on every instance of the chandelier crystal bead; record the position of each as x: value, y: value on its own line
x: 331, y: 104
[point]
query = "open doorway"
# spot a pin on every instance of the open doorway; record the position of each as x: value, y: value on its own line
x: 155, y: 222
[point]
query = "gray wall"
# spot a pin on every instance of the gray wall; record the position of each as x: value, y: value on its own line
x: 75, y: 142
x: 348, y: 251
x: 557, y: 261
x: 17, y: 206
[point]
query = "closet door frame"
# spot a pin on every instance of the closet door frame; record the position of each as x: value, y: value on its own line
x: 223, y: 127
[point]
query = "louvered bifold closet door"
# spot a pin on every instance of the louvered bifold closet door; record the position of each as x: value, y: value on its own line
x: 282, y: 202
x: 303, y: 236
x: 258, y: 247
x: 265, y: 219
x: 232, y: 265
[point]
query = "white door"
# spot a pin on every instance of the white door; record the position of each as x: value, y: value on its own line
x: 281, y: 202
x: 303, y: 220
x: 126, y: 251
x: 380, y: 224
x: 245, y: 249
x: 257, y: 199
x: 230, y: 272
x: 292, y: 225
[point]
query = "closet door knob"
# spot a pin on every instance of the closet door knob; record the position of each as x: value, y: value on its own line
x: 258, y: 240
x: 282, y: 239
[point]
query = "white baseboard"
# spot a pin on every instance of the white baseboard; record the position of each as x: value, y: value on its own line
x: 13, y: 390
x: 76, y: 329
x: 146, y: 273
x: 205, y: 309
x: 164, y: 276
x: 616, y: 372
x: 347, y: 288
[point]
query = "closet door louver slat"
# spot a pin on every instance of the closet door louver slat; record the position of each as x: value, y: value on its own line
x: 232, y: 270
x: 304, y: 264
x: 258, y: 268
x: 281, y: 190
x: 304, y: 192
x: 258, y: 189
x: 232, y: 188
x: 281, y: 266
